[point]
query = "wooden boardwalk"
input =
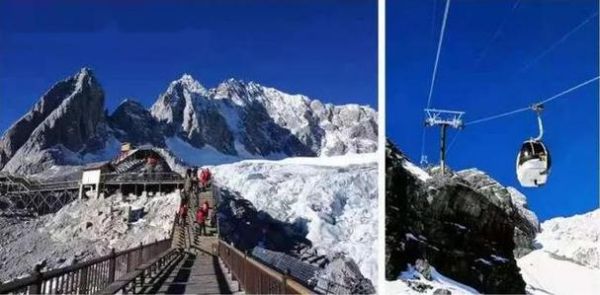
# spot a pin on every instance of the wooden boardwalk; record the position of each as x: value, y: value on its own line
x: 195, y: 274
x: 199, y: 272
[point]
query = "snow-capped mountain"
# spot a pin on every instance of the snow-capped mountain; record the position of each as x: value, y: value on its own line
x: 239, y: 118
x: 69, y: 126
x: 567, y: 260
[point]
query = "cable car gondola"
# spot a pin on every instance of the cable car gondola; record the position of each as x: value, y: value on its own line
x: 533, y: 161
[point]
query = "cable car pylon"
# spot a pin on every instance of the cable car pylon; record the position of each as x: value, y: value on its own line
x: 444, y: 119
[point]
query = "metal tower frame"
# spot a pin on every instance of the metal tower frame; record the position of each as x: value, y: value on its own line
x: 444, y: 119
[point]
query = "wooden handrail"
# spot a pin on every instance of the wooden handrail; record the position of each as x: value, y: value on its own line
x: 43, y: 282
x: 122, y: 282
x: 286, y: 284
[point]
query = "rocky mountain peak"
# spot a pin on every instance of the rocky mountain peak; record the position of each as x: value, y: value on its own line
x: 238, y: 91
x: 85, y: 72
x: 188, y: 83
x: 68, y: 118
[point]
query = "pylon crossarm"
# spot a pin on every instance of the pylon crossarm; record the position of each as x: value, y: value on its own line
x: 443, y: 117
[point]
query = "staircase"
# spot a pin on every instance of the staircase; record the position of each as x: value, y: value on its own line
x: 199, y: 271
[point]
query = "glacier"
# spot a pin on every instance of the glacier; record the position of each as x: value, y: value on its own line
x: 336, y: 195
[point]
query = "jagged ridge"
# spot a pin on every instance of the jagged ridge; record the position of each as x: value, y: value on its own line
x: 69, y: 126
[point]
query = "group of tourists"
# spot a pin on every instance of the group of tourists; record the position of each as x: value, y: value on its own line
x: 195, y: 182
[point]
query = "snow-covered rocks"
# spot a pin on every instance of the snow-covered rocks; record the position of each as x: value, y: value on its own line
x: 412, y: 282
x: 82, y: 230
x: 337, y: 196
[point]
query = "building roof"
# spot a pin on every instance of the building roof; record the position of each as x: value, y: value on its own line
x: 96, y: 165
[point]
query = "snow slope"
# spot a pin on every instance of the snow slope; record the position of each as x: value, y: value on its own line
x: 568, y: 260
x: 336, y: 196
x: 438, y: 281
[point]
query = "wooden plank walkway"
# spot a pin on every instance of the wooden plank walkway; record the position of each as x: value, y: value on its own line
x: 196, y: 274
x: 199, y: 272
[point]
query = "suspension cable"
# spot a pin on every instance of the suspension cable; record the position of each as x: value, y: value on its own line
x: 452, y: 142
x: 435, y: 67
x: 557, y: 43
x: 538, y: 103
x: 437, y: 55
x: 497, y: 33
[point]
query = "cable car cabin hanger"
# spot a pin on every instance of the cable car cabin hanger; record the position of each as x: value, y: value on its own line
x: 533, y: 161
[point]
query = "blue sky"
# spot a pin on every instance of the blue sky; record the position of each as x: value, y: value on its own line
x: 326, y: 51
x: 496, y: 57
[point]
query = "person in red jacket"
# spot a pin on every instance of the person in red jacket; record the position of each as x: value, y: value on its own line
x: 205, y: 178
x: 201, y: 215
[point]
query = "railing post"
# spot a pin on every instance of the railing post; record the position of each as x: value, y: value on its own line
x: 36, y: 287
x: 244, y: 264
x: 284, y: 279
x: 142, y: 278
x: 141, y: 254
x: 112, y: 265
x: 83, y: 281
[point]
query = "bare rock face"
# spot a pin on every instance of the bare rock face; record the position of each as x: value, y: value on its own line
x: 68, y: 119
x: 460, y: 225
x: 514, y: 205
x: 19, y: 132
x: 342, y: 276
x: 133, y: 123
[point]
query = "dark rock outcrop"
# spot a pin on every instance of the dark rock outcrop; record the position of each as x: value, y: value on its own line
x: 512, y: 202
x: 454, y: 226
x: 133, y: 123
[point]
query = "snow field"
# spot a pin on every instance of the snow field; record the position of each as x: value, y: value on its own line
x: 568, y: 260
x: 438, y: 281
